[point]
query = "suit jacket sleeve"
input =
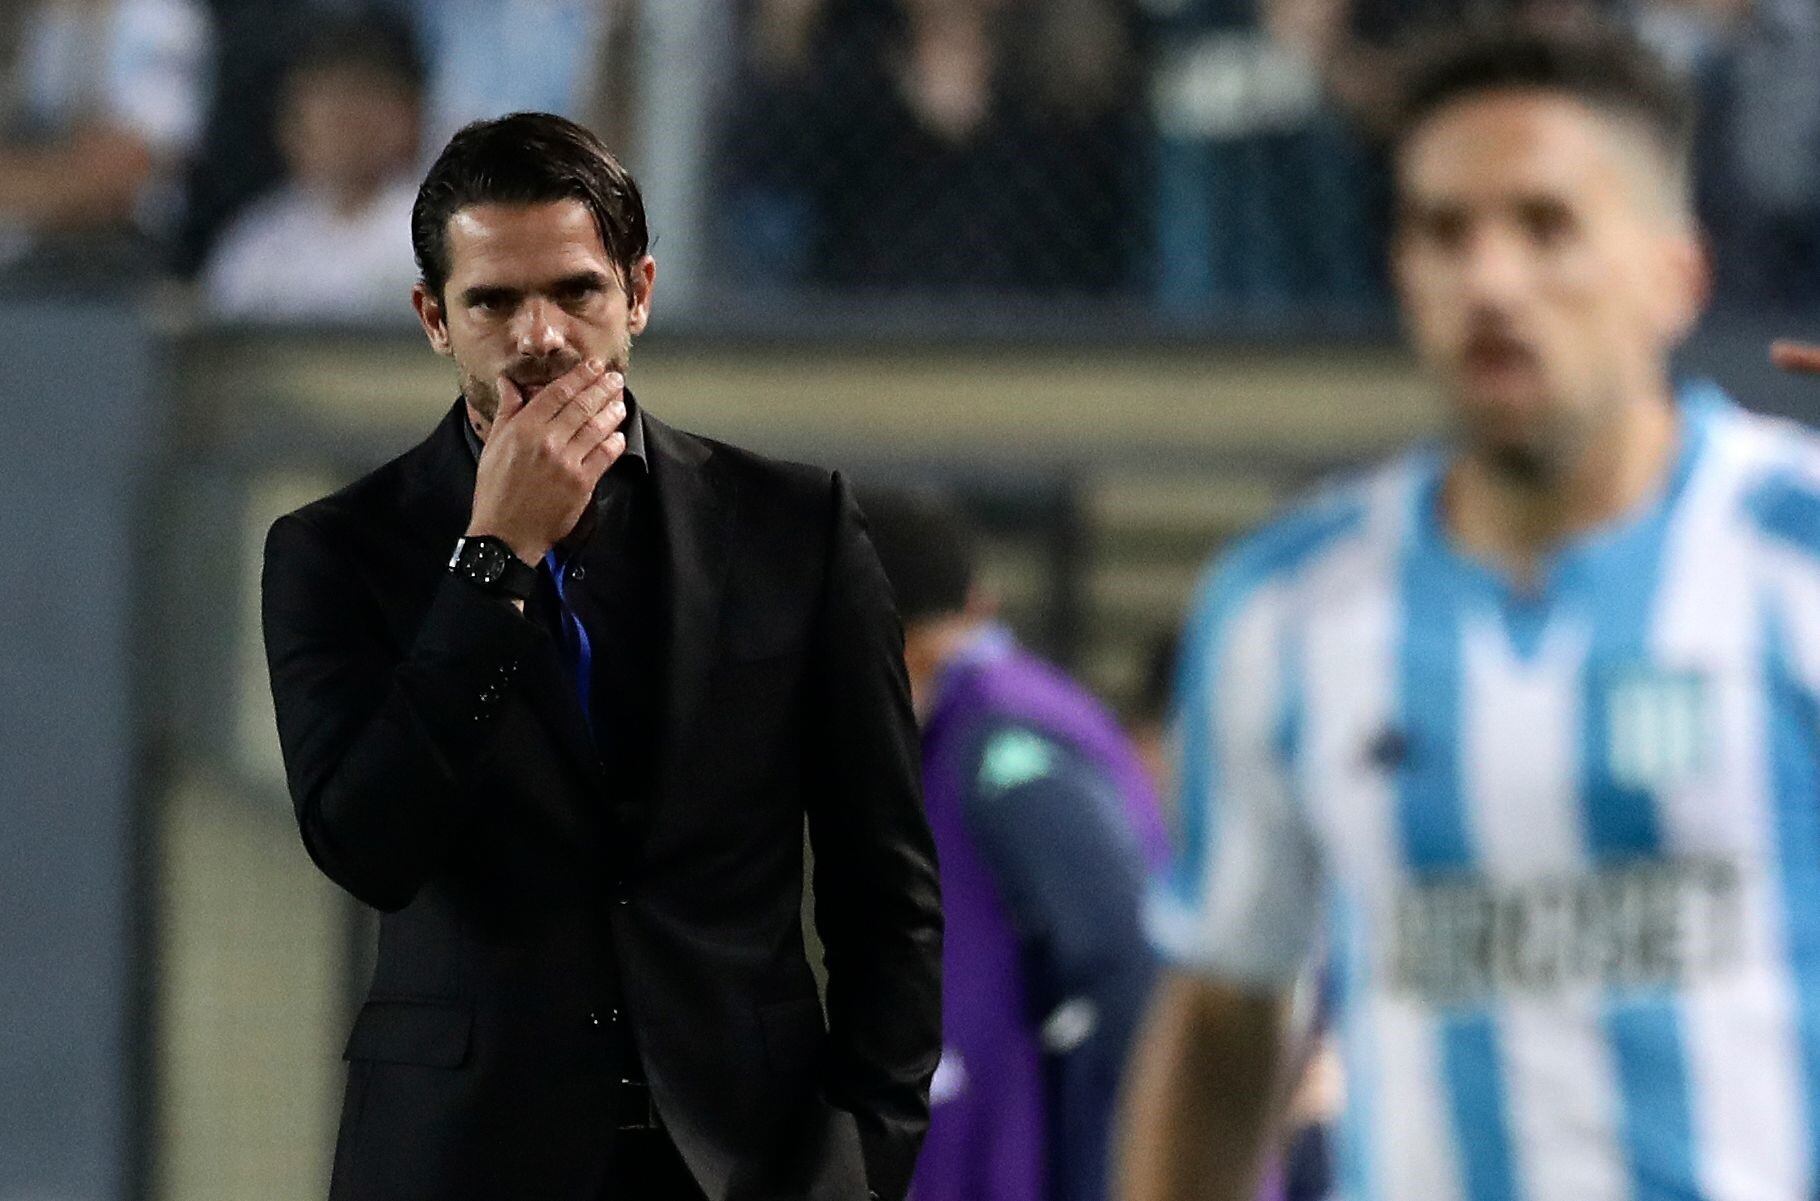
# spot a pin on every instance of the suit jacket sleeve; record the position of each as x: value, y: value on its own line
x: 877, y: 902
x: 379, y: 741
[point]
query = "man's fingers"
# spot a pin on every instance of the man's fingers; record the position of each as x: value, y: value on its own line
x: 1800, y: 357
x: 556, y: 395
x: 584, y: 404
x: 597, y: 427
x: 605, y: 454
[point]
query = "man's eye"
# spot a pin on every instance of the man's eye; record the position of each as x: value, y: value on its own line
x: 1548, y: 224
x: 1446, y: 230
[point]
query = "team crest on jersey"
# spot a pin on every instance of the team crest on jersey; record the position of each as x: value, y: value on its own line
x: 1657, y: 727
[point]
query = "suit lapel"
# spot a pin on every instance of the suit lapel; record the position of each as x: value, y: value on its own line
x: 444, y: 487
x: 695, y: 502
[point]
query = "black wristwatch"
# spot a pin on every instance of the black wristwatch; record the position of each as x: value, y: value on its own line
x: 489, y: 564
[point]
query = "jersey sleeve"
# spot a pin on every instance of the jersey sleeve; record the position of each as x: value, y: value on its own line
x: 1054, y: 830
x: 1242, y: 898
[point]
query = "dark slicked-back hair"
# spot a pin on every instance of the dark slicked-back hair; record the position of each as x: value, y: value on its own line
x: 1600, y: 65
x: 527, y: 158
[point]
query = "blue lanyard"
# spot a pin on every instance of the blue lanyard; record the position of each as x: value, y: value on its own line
x: 581, y: 663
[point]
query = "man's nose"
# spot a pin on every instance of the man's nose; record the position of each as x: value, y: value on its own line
x: 537, y: 329
x: 1496, y: 267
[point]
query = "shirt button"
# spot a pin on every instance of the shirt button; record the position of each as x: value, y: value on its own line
x: 578, y: 572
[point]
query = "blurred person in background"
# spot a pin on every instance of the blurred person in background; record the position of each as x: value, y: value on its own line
x: 489, y: 57
x: 973, y: 145
x: 333, y: 242
x: 1267, y: 200
x: 1756, y: 66
x: 557, y: 692
x: 770, y: 146
x: 479, y: 58
x: 104, y: 104
x: 1045, y: 827
x: 1531, y: 714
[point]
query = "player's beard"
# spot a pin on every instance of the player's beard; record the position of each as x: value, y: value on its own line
x: 483, y: 394
x: 1538, y: 456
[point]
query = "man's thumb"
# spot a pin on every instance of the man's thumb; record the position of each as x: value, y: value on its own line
x: 510, y: 400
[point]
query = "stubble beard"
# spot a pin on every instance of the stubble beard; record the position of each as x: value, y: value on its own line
x: 483, y: 395
x: 1534, y: 460
x: 1530, y: 468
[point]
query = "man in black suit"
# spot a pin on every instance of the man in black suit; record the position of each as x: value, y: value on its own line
x: 557, y: 690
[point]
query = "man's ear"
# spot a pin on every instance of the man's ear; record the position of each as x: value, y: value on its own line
x: 431, y: 317
x: 638, y: 294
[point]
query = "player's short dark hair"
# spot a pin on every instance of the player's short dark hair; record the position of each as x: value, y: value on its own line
x: 1598, y: 64
x: 926, y: 547
x: 372, y: 44
x: 521, y: 159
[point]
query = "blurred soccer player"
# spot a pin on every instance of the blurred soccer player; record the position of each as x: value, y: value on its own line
x: 1045, y: 826
x: 1524, y: 727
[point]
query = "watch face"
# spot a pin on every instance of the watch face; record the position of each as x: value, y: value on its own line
x: 481, y: 560
x: 489, y: 562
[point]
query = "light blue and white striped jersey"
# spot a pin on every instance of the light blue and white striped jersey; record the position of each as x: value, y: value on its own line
x: 1565, y: 842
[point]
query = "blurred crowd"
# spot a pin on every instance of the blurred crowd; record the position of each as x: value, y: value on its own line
x: 1193, y: 157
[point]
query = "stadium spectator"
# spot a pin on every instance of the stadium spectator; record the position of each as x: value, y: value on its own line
x: 489, y: 57
x: 1044, y: 822
x: 1756, y: 64
x: 769, y: 148
x: 481, y: 58
x: 1529, y: 714
x: 333, y: 242
x: 1267, y: 197
x: 950, y: 145
x: 105, y: 108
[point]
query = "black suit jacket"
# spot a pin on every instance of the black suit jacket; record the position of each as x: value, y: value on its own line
x: 443, y: 773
